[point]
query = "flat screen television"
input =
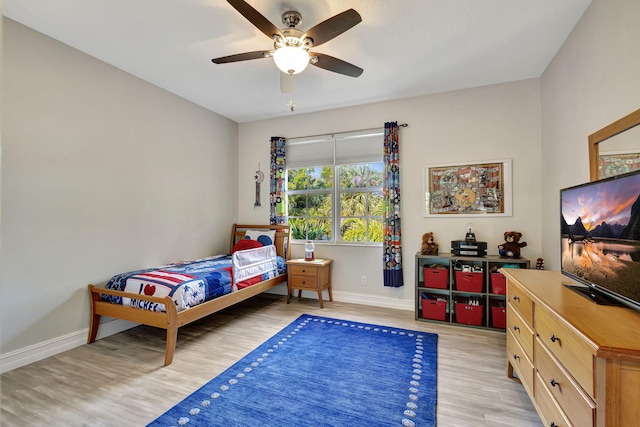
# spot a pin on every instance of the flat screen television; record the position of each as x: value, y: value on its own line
x: 600, y: 239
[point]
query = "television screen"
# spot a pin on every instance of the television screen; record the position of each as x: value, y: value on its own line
x: 600, y: 237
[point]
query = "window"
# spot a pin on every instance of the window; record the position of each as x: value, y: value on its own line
x: 334, y: 187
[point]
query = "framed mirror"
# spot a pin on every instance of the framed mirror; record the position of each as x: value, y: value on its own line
x: 615, y: 149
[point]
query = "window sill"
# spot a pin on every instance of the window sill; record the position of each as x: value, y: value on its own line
x: 359, y: 245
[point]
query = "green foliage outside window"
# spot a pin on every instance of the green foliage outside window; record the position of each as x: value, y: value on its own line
x: 310, y: 196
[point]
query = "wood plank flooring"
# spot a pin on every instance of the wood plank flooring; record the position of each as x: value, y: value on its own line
x: 120, y: 380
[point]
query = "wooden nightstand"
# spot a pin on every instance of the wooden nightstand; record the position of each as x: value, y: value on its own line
x: 309, y: 276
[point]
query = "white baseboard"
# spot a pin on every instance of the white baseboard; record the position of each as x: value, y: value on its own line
x: 373, y: 300
x: 36, y: 352
x: 354, y: 298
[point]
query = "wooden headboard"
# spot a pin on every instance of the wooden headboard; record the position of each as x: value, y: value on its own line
x: 283, y: 236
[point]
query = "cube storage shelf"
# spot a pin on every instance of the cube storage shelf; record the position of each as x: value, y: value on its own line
x: 462, y: 290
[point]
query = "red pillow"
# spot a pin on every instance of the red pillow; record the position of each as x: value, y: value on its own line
x: 246, y: 244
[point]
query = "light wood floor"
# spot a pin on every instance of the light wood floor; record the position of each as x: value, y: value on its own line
x: 120, y: 380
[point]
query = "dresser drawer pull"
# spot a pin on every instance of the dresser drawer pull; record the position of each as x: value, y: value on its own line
x: 516, y: 328
x: 303, y: 282
x: 516, y: 298
x: 554, y: 338
x: 516, y: 357
x: 303, y: 270
x: 553, y: 382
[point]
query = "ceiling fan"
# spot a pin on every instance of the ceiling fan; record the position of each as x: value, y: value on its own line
x: 291, y: 46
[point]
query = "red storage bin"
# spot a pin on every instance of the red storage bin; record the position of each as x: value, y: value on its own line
x: 467, y: 314
x: 469, y: 282
x: 434, y: 309
x: 499, y: 317
x: 435, y: 277
x: 498, y: 283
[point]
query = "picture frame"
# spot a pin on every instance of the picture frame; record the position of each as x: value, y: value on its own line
x: 617, y: 163
x: 468, y: 189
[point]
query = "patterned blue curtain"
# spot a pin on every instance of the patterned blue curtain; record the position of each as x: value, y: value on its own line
x: 392, y: 245
x: 277, y: 196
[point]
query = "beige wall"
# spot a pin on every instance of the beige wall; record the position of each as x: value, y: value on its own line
x: 101, y: 173
x: 593, y: 80
x: 487, y: 123
x: 82, y: 140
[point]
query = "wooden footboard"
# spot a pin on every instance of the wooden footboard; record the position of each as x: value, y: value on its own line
x: 167, y: 320
x: 172, y: 319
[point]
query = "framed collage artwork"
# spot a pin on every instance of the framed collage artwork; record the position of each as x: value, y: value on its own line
x: 468, y: 189
x: 617, y: 163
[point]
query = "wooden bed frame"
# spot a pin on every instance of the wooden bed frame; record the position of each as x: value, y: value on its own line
x: 171, y: 320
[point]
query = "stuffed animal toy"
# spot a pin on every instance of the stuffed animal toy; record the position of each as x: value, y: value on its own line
x: 429, y: 246
x: 512, y: 244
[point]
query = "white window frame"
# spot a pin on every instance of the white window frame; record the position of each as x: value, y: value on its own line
x: 337, y: 162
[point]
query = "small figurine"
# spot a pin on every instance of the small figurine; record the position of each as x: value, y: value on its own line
x: 512, y: 245
x: 539, y: 264
x: 429, y: 246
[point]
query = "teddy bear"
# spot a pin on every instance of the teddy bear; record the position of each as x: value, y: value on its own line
x: 512, y: 245
x: 429, y: 246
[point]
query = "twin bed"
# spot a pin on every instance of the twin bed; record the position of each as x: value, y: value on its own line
x: 174, y: 295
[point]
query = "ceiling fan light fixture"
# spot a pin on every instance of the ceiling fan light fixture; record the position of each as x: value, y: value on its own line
x: 291, y: 59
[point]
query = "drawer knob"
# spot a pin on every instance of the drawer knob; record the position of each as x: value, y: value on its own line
x: 516, y: 328
x: 516, y: 357
x: 516, y: 298
x: 303, y: 270
x: 553, y: 382
x: 554, y: 338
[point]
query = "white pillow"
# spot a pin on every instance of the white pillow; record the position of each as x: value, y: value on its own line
x: 266, y: 237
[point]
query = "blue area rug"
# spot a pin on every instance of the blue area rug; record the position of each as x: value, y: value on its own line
x: 322, y: 372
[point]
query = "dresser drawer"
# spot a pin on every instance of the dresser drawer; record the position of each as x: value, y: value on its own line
x: 575, y: 354
x: 572, y: 399
x: 302, y: 282
x: 520, y: 301
x: 521, y: 330
x: 520, y: 362
x: 303, y: 270
x: 551, y: 413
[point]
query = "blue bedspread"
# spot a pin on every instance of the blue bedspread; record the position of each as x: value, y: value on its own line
x: 188, y: 283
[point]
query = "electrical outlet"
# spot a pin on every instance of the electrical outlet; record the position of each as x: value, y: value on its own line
x: 363, y: 281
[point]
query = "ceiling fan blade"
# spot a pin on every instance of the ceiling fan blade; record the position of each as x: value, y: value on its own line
x: 255, y: 17
x: 332, y: 27
x: 336, y: 65
x: 243, y: 56
x: 287, y: 82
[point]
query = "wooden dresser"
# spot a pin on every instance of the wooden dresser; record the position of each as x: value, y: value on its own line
x: 578, y: 361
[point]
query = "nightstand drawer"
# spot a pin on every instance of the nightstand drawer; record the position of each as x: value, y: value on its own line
x: 303, y: 282
x: 303, y: 270
x: 574, y: 402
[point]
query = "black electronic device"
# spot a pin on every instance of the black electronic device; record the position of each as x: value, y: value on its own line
x: 467, y: 248
x: 600, y: 237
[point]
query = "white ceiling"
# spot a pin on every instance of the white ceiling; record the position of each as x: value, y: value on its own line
x: 406, y: 47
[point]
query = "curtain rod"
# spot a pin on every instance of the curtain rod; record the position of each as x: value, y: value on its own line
x: 402, y: 125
